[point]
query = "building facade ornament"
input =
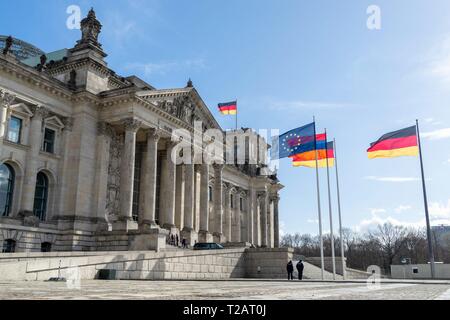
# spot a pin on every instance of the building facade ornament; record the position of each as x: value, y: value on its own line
x: 131, y: 124
x: 105, y: 129
x: 6, y: 99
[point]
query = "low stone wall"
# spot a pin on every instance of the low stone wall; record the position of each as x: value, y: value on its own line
x: 150, y: 265
x: 267, y: 263
x: 422, y: 271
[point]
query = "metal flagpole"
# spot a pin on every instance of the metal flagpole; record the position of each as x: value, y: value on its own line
x: 425, y: 201
x: 236, y: 116
x: 333, y: 258
x: 339, y: 210
x: 318, y: 205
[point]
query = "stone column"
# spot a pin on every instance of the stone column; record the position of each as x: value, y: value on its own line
x: 104, y: 133
x: 125, y: 220
x: 6, y: 99
x: 227, y: 214
x: 218, y: 203
x: 263, y: 216
x: 236, y: 233
x: 204, y: 233
x: 188, y: 231
x: 276, y: 226
x: 29, y: 184
x: 148, y: 219
x: 167, y: 197
x: 179, y: 196
x: 256, y: 220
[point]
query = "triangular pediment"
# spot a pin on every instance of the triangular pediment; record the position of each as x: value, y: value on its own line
x: 184, y: 104
x: 54, y: 121
x: 22, y: 109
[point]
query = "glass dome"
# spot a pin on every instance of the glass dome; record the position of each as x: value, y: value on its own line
x: 21, y: 49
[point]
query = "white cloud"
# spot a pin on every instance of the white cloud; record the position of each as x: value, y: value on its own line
x: 391, y: 179
x: 438, y: 64
x: 432, y: 121
x: 402, y: 208
x: 302, y: 105
x: 437, y: 134
x: 165, y: 67
x: 312, y: 221
x: 374, y: 211
x: 439, y: 214
x: 281, y: 228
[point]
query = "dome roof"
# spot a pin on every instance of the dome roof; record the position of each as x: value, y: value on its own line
x: 21, y: 49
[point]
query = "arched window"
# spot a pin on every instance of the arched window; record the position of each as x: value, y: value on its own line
x: 9, y: 246
x: 46, y: 247
x: 7, y: 177
x: 41, y: 196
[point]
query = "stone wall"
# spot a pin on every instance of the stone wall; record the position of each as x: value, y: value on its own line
x: 442, y: 271
x: 149, y: 265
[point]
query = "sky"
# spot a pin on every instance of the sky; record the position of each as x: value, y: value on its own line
x: 285, y: 62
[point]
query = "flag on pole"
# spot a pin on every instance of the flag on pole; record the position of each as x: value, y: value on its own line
x: 308, y: 159
x: 228, y: 108
x: 395, y: 144
x: 295, y: 141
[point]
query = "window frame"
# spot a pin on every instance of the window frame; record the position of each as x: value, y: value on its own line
x: 44, y: 200
x: 44, y: 141
x: 10, y: 190
x: 8, y: 244
x: 22, y: 121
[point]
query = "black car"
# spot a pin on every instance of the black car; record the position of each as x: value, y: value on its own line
x: 207, y: 246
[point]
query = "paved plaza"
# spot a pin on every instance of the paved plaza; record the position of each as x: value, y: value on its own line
x: 226, y: 290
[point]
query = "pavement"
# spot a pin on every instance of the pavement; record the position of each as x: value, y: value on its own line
x: 236, y: 289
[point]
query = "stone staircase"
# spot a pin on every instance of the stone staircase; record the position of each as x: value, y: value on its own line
x: 312, y: 272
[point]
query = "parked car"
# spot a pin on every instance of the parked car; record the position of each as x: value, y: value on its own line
x: 207, y: 246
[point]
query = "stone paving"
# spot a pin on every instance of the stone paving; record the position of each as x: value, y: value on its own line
x: 222, y: 290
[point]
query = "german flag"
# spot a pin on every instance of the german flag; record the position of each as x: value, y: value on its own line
x: 308, y: 159
x: 395, y: 144
x: 228, y: 108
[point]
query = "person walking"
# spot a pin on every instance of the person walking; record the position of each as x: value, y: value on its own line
x: 290, y: 270
x: 300, y: 268
x: 178, y: 239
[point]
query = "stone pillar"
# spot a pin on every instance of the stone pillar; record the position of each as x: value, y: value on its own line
x: 148, y: 219
x: 125, y: 220
x: 197, y: 168
x: 167, y: 196
x: 6, y: 99
x: 227, y: 211
x: 250, y: 215
x: 35, y: 140
x: 188, y: 231
x: 204, y: 233
x: 256, y: 225
x: 104, y: 133
x: 179, y: 196
x: 263, y: 218
x: 276, y: 225
x: 236, y: 232
x: 218, y: 203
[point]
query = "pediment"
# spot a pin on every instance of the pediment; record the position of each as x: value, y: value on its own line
x: 22, y: 109
x: 54, y: 121
x: 184, y: 104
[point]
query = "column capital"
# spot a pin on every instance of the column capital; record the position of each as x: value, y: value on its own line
x: 275, y: 198
x: 6, y: 99
x: 217, y: 167
x: 131, y: 124
x: 39, y: 111
x: 68, y: 123
x: 153, y: 134
x: 104, y: 129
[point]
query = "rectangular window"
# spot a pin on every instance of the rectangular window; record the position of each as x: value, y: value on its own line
x: 241, y: 204
x: 210, y: 194
x: 14, y: 129
x: 49, y: 140
x: 231, y: 201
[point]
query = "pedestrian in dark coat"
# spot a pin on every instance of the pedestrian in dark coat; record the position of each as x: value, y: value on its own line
x: 290, y: 270
x: 178, y: 240
x: 300, y: 267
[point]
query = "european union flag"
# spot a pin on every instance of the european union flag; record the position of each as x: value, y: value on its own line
x: 294, y: 141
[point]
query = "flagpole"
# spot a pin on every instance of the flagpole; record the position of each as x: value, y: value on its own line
x: 339, y: 210
x: 236, y: 117
x: 425, y: 201
x: 333, y: 258
x: 318, y: 204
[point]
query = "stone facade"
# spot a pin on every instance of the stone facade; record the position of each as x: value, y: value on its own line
x: 86, y: 166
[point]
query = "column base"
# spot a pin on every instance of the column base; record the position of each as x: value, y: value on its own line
x: 124, y: 225
x: 219, y: 237
x: 205, y: 236
x: 190, y: 235
x: 148, y: 225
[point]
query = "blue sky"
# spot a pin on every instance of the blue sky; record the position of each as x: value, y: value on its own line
x: 286, y: 61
